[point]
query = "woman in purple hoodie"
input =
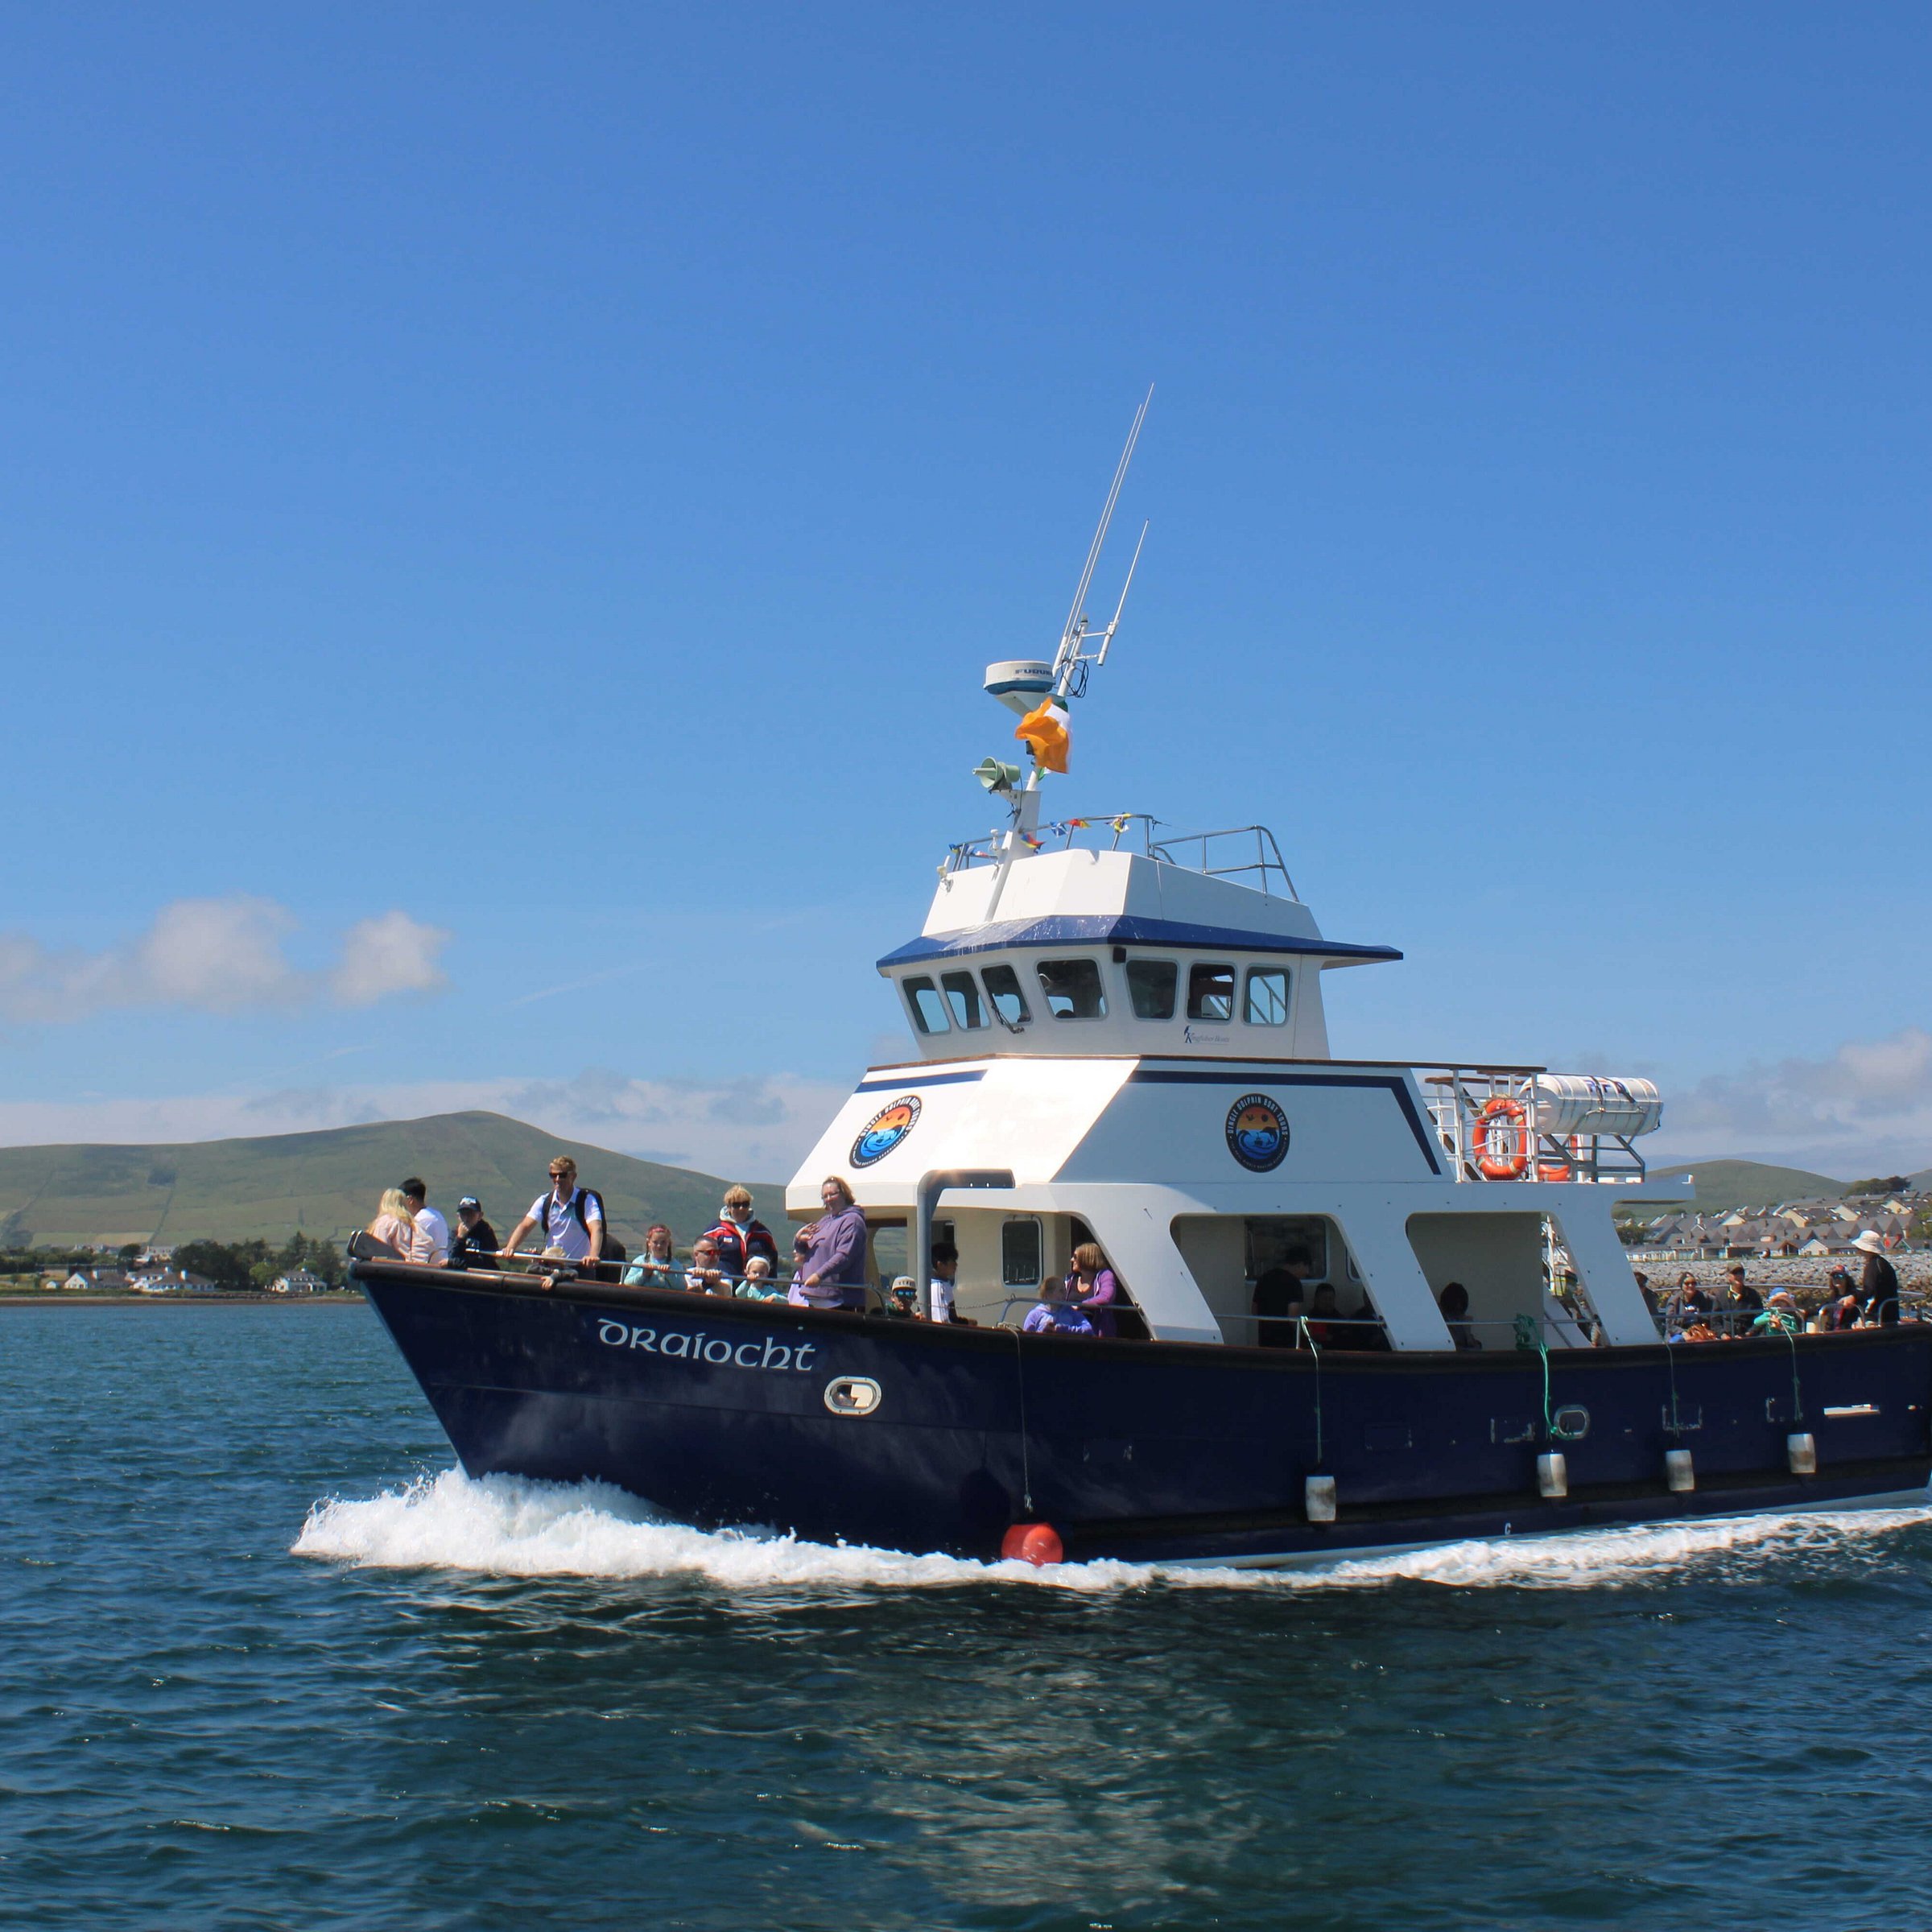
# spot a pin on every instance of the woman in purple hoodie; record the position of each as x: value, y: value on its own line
x: 1092, y: 1288
x: 831, y: 1271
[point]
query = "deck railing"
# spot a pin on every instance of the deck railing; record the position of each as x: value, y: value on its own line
x: 1487, y: 1121
x: 1241, y: 852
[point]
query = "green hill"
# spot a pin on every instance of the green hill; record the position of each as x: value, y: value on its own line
x: 1728, y: 1184
x: 327, y: 1183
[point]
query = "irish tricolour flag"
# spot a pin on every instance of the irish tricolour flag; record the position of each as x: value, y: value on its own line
x: 1044, y: 728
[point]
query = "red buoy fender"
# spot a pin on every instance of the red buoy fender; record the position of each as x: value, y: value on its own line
x: 1502, y: 1139
x: 1036, y: 1543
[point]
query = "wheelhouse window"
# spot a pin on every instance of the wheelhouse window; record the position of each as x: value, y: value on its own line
x: 1071, y: 989
x: 963, y: 996
x: 1211, y: 992
x: 1267, y: 1003
x: 1003, y: 989
x: 928, y: 1009
x: 1151, y: 983
x: 1019, y: 1252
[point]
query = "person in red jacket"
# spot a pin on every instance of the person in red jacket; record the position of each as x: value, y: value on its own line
x: 740, y: 1235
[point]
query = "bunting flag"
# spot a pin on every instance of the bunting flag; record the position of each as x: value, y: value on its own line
x: 1044, y: 729
x: 1074, y: 825
x: 1027, y: 838
x: 1119, y: 825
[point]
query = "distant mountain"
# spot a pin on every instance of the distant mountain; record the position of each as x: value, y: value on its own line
x: 1727, y: 1184
x: 327, y: 1183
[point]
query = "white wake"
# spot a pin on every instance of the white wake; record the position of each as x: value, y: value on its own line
x: 510, y: 1526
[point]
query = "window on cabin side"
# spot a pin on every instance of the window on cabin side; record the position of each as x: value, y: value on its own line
x: 1211, y: 992
x: 1151, y: 983
x: 1267, y: 1004
x: 1003, y: 990
x: 1020, y: 1253
x: 928, y: 1009
x: 963, y: 996
x: 1071, y: 989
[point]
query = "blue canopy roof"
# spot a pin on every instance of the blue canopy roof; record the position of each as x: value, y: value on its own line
x: 1120, y: 929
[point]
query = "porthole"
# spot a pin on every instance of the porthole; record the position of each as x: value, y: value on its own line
x: 852, y: 1395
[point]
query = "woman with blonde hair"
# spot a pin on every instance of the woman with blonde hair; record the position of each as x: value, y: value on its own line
x: 393, y: 1223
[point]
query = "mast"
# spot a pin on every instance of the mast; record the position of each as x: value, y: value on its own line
x: 1023, y: 685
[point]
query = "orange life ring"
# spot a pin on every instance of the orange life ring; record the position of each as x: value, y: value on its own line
x: 1559, y: 1170
x: 1502, y: 1139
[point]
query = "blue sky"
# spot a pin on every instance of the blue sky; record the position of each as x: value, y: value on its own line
x: 549, y: 480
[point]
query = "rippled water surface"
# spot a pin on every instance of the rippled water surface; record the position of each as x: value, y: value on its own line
x: 266, y: 1660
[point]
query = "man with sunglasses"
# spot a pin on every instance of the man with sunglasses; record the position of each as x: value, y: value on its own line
x: 570, y: 1217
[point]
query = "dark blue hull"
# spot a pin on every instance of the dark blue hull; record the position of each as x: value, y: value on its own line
x: 717, y: 1412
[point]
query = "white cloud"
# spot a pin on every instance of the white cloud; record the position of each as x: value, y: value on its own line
x: 389, y: 954
x: 1868, y: 1105
x: 750, y: 1129
x: 215, y: 956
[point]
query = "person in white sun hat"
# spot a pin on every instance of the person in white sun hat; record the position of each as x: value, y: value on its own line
x: 1878, y: 1286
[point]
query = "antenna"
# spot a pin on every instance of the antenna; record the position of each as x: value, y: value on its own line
x: 1072, y: 653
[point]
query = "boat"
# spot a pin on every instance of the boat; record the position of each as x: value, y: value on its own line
x: 1118, y: 1037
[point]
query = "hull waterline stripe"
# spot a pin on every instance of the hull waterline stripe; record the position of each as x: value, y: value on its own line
x: 1163, y: 1077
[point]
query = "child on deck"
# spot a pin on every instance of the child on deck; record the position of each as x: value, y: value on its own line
x: 1051, y: 1312
x: 758, y: 1284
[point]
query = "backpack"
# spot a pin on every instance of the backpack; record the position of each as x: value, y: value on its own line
x: 614, y: 1250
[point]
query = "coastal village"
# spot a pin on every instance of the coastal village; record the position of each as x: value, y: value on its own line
x: 160, y: 1268
x: 153, y: 1275
x: 1786, y: 1230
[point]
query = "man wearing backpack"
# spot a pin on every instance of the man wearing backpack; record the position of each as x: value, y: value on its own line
x: 569, y: 1218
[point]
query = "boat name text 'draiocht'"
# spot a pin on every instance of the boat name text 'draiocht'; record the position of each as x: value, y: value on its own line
x: 762, y: 1353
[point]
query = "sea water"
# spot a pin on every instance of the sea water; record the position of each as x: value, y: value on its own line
x: 268, y: 1660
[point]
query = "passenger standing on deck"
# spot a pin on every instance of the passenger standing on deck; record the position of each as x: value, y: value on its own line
x: 1743, y: 1294
x: 1092, y: 1288
x: 1277, y: 1298
x: 569, y: 1218
x: 945, y: 1274
x: 740, y: 1235
x: 1878, y: 1286
x: 429, y: 1233
x: 474, y: 1241
x: 1453, y: 1301
x: 831, y: 1270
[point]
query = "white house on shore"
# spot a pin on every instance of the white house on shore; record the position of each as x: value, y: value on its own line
x: 298, y: 1281
x: 173, y: 1281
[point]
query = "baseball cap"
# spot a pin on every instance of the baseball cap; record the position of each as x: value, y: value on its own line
x: 468, y: 1200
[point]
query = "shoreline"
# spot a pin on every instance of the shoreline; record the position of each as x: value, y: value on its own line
x: 54, y: 1298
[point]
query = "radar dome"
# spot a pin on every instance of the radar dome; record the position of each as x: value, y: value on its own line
x: 1020, y: 682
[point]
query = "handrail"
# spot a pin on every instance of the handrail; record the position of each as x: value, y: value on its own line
x: 1134, y: 832
x: 1267, y: 860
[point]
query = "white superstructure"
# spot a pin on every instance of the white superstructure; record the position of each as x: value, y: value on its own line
x: 1120, y: 1037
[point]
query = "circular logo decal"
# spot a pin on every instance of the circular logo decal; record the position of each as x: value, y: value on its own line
x: 884, y: 1130
x: 1258, y: 1133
